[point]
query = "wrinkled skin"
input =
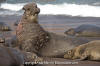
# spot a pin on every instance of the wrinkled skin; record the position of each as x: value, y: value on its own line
x: 10, y: 57
x: 31, y: 12
x: 14, y: 57
x: 88, y: 51
x: 69, y: 54
x: 33, y: 38
x: 84, y: 30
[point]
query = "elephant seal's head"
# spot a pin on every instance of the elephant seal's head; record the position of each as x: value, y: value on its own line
x: 31, y: 12
x: 70, y: 32
x: 69, y: 54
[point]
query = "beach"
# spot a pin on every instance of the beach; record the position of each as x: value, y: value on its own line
x: 57, y: 24
x: 57, y: 17
x: 54, y: 23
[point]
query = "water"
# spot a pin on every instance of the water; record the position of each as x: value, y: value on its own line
x: 83, y: 8
x: 56, y: 1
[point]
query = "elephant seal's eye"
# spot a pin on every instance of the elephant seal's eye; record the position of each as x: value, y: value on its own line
x: 69, y: 52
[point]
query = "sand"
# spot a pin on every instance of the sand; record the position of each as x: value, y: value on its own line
x: 57, y: 24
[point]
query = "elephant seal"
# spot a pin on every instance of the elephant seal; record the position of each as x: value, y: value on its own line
x: 88, y: 51
x: 84, y: 31
x: 2, y: 41
x: 10, y: 57
x: 31, y: 37
x: 14, y: 57
x: 4, y: 27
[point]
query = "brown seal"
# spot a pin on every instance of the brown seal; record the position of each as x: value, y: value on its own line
x: 2, y: 41
x: 14, y: 57
x: 10, y: 57
x: 32, y: 37
x: 88, y: 51
x: 84, y: 31
x: 4, y: 27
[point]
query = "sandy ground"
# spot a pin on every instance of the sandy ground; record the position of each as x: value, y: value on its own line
x: 57, y: 24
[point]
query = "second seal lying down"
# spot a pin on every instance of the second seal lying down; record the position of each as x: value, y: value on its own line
x: 33, y: 38
x: 88, y: 51
x: 84, y: 31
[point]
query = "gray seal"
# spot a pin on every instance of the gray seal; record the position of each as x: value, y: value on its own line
x: 4, y: 27
x: 31, y: 37
x: 10, y: 57
x: 14, y: 57
x: 88, y: 51
x: 84, y: 31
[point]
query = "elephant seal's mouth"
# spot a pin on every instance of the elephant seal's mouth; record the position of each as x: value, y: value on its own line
x: 31, y: 12
x: 31, y: 9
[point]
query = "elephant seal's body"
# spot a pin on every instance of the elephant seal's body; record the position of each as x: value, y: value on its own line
x: 33, y: 38
x: 14, y: 57
x: 10, y: 57
x: 84, y: 31
x: 89, y: 51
